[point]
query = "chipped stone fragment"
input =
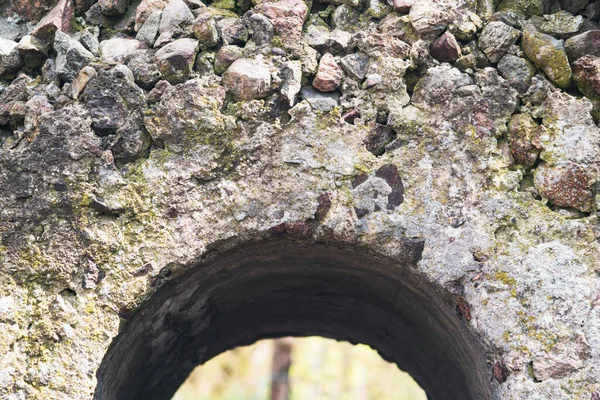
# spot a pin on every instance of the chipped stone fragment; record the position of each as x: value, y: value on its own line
x: 292, y: 73
x: 320, y: 101
x: 81, y: 80
x: 10, y: 60
x: 59, y: 18
x: 329, y: 75
x: 445, y: 48
x: 33, y: 51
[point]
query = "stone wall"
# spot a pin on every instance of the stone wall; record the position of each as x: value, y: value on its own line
x: 453, y: 142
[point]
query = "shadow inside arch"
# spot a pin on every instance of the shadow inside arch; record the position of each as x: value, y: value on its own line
x: 280, y: 287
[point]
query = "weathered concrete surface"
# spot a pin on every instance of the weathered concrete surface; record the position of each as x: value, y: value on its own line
x: 96, y: 224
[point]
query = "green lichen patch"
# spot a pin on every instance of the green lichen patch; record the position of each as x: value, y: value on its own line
x: 548, y: 54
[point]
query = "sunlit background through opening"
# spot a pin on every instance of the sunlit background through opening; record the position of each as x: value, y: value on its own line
x: 312, y: 368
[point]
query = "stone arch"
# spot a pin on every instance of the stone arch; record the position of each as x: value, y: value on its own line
x: 280, y: 287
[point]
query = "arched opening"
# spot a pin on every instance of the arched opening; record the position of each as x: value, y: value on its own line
x: 281, y: 287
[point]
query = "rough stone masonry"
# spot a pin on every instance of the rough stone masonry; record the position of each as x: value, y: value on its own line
x: 138, y: 136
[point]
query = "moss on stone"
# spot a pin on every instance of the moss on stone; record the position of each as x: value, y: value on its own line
x: 528, y: 8
x: 224, y: 4
x: 548, y: 54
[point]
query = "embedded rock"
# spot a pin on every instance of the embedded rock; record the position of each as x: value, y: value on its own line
x: 329, y: 75
x: 247, y: 79
x: 548, y: 54
x: 205, y: 30
x: 379, y: 136
x: 316, y: 36
x: 587, y: 43
x: 562, y: 361
x: 403, y: 6
x: 32, y: 10
x: 145, y: 9
x: 149, y: 30
x: 142, y: 64
x: 355, y: 65
x: 10, y: 30
x: 226, y: 56
x: 339, y: 41
x: 586, y: 74
x: 378, y: 45
x: 156, y: 93
x: 438, y: 86
x: 232, y: 31
x: 71, y: 56
x: 112, y: 101
x: 345, y: 17
x: 377, y: 8
x: 113, y: 7
x: 496, y: 38
x: 176, y: 60
x: 292, y: 74
x: 565, y: 185
x: 287, y: 17
x: 561, y: 24
x: 132, y: 142
x: 528, y: 8
x: 175, y: 14
x: 524, y: 139
x: 260, y: 29
x: 429, y: 18
x: 320, y: 101
x: 467, y: 26
x: 89, y: 39
x: 14, y: 94
x: 188, y: 113
x: 35, y: 108
x: 117, y: 50
x: 517, y: 71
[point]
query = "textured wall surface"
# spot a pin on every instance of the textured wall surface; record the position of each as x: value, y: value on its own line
x: 172, y: 173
